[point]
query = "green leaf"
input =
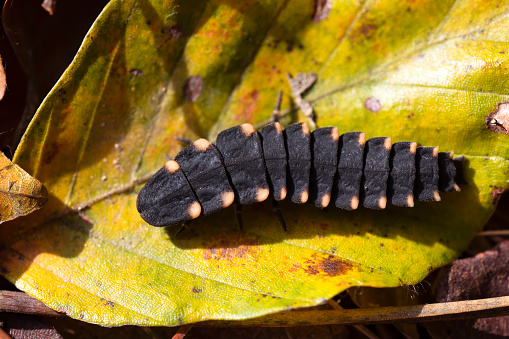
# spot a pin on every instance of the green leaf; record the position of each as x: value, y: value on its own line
x: 437, y: 68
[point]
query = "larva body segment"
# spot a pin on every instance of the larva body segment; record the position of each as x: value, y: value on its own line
x: 246, y: 166
x: 274, y: 153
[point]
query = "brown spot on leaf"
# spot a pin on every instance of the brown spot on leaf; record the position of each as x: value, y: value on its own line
x: 368, y: 30
x: 330, y: 266
x: 249, y: 105
x: 193, y: 88
x: 196, y: 290
x: 228, y: 248
x: 108, y: 302
x: 498, y: 121
x: 373, y: 104
x: 136, y: 72
x: 322, y: 10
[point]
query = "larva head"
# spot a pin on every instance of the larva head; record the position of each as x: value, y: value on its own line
x: 167, y: 199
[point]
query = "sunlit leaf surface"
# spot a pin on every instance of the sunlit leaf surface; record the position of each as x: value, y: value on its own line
x: 436, y: 69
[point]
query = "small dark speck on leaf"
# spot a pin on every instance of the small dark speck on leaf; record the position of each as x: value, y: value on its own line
x: 196, y: 290
x: 61, y: 92
x: 175, y: 32
x: 193, y: 88
x: 136, y: 72
x: 330, y: 266
x: 322, y: 10
x: 498, y: 121
x: 372, y: 104
x: 180, y: 321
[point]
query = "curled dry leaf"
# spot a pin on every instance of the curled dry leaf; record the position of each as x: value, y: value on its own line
x: 3, y: 82
x: 498, y: 121
x: 20, y: 194
x: 483, y: 276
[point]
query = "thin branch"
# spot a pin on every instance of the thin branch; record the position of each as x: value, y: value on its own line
x: 470, y: 309
x: 19, y: 302
x: 363, y: 329
x: 492, y: 233
x: 181, y: 333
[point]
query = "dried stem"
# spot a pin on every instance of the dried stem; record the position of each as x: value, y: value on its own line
x: 19, y: 302
x: 181, y: 333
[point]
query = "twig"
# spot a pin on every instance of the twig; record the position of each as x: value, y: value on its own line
x: 19, y: 302
x: 181, y: 333
x: 470, y: 309
x: 363, y: 329
x: 492, y: 233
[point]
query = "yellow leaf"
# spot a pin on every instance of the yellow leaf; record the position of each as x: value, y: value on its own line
x: 424, y: 71
x: 20, y: 194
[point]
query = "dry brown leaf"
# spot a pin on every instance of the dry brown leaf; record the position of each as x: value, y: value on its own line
x: 484, y: 276
x: 20, y: 194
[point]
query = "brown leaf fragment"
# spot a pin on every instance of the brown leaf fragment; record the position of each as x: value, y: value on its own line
x: 193, y: 87
x: 22, y: 326
x: 498, y: 121
x: 49, y: 6
x: 299, y: 84
x: 322, y: 10
x: 20, y: 194
x: 484, y: 276
x: 496, y: 194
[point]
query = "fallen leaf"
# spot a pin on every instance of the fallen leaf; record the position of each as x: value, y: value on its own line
x: 20, y: 194
x: 22, y: 326
x: 484, y: 276
x: 103, y: 131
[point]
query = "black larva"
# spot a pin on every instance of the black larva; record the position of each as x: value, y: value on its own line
x: 246, y: 166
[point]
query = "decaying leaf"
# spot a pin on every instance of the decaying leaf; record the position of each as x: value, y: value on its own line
x: 20, y: 194
x: 484, y: 276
